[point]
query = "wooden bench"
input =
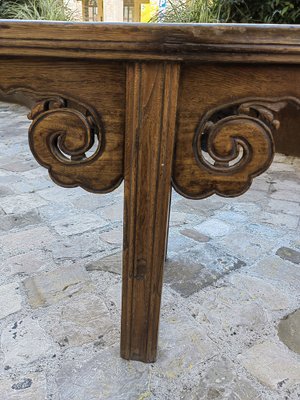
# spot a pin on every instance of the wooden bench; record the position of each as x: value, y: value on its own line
x: 193, y: 107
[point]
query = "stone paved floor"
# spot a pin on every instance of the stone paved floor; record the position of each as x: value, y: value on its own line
x: 233, y: 275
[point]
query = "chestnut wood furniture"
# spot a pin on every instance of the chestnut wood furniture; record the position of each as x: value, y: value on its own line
x: 193, y: 107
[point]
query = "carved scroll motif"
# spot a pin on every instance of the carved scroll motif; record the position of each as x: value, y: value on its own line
x: 62, y: 135
x: 232, y: 145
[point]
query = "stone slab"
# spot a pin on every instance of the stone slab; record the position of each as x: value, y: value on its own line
x: 26, y: 240
x: 228, y: 309
x: 187, y: 272
x: 78, y: 247
x: 272, y: 364
x: 113, y: 213
x: 214, y: 227
x: 113, y: 236
x: 26, y: 263
x: 20, y: 166
x: 94, y: 202
x: 78, y: 224
x: 289, y: 329
x: 286, y: 221
x: 287, y: 207
x: 289, y: 254
x: 24, y: 341
x: 281, y: 272
x: 183, y: 344
x: 56, y: 194
x: 195, y: 235
x: 105, y: 376
x: 11, y: 300
x: 13, y: 221
x: 178, y: 242
x: 50, y: 287
x: 205, y: 207
x: 22, y: 203
x: 221, y: 382
x: 263, y: 292
x: 5, y: 191
x: 111, y: 263
x: 77, y: 321
x: 248, y: 246
x: 27, y: 386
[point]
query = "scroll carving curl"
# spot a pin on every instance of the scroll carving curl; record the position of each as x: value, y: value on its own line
x: 232, y: 145
x: 68, y: 138
x: 71, y: 132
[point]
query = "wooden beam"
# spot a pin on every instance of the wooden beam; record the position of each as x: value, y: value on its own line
x: 151, y: 114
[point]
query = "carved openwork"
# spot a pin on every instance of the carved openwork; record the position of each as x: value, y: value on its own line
x: 68, y: 138
x: 105, y: 100
x: 232, y: 145
x: 62, y: 135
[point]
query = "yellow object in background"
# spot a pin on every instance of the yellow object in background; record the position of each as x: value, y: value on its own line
x: 149, y: 10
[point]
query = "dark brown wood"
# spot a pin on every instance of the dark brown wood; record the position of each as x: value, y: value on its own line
x: 150, y: 130
x: 232, y: 144
x: 184, y: 42
x: 195, y: 106
x: 286, y: 138
x: 74, y: 106
x: 211, y: 104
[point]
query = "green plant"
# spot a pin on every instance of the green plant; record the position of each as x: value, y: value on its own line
x: 240, y: 11
x: 188, y: 11
x: 260, y: 11
x: 52, y: 10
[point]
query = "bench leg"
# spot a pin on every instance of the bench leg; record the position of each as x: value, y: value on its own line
x: 168, y: 226
x: 150, y: 130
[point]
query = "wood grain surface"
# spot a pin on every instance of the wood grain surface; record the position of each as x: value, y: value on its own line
x: 150, y: 131
x: 211, y: 95
x: 181, y: 42
x: 77, y: 104
x: 193, y: 106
